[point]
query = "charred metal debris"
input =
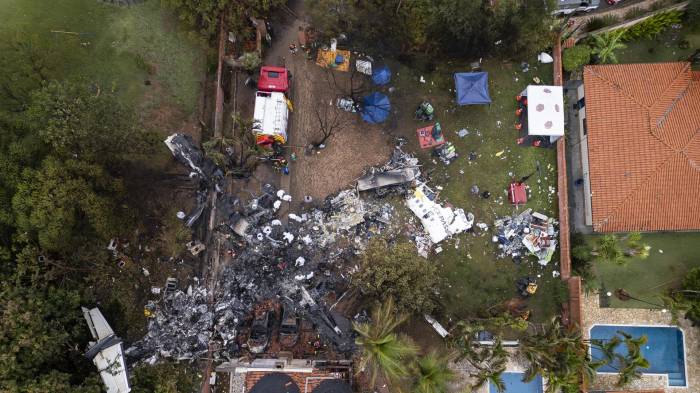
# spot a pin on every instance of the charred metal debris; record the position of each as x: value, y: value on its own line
x: 301, y: 260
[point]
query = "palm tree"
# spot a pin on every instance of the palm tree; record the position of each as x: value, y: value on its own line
x: 489, y: 361
x: 634, y: 359
x: 609, y: 249
x: 558, y: 354
x: 432, y: 373
x: 606, y: 44
x: 383, y: 351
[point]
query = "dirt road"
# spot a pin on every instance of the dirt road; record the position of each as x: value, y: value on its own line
x: 349, y: 151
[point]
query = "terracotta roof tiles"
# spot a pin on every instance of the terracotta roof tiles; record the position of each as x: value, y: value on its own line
x: 643, y: 124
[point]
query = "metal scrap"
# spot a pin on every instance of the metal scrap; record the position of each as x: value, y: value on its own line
x: 526, y: 233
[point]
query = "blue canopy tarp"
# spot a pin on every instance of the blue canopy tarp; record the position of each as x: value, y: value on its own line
x: 375, y: 108
x: 381, y: 75
x: 472, y: 88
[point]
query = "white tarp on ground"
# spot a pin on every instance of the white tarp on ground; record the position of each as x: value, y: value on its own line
x: 439, y: 222
x: 106, y: 352
x: 545, y: 110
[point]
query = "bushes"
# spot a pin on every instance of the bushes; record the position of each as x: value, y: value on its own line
x: 692, y: 14
x: 576, y: 57
x: 652, y: 26
x: 598, y: 23
x: 635, y: 12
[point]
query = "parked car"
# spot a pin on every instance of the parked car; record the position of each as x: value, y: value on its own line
x: 569, y: 7
x: 259, y: 336
x: 289, y: 328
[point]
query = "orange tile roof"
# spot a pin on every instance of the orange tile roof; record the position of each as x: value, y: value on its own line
x: 643, y: 124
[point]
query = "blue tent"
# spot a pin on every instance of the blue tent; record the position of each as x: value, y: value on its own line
x: 381, y: 75
x: 472, y: 88
x: 376, y: 108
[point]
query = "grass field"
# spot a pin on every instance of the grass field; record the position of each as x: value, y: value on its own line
x: 117, y: 47
x: 475, y: 279
x: 662, y: 48
x: 671, y: 256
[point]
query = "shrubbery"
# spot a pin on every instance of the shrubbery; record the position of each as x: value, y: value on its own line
x: 653, y: 26
x: 576, y: 57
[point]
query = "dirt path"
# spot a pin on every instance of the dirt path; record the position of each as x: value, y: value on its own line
x: 348, y: 152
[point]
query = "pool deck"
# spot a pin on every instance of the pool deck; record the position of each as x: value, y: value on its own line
x: 516, y: 363
x: 593, y: 314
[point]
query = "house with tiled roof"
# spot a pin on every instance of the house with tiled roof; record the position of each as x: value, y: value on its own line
x: 640, y: 147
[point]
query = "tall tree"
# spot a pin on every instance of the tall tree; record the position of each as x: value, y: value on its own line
x: 25, y: 64
x: 65, y: 204
x: 398, y: 272
x: 84, y: 122
x: 489, y: 361
x: 204, y: 15
x: 383, y: 351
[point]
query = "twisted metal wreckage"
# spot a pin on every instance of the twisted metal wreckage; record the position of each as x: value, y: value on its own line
x: 300, y: 262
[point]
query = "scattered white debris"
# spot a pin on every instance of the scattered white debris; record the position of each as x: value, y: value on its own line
x: 439, y: 222
x: 277, y: 204
x: 300, y: 262
x: 436, y: 325
x: 288, y: 237
x: 294, y: 217
x: 555, y: 274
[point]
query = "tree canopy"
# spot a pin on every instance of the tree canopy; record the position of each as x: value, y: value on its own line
x: 400, y: 273
x: 510, y: 28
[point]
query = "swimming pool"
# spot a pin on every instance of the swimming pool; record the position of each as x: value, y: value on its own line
x: 514, y: 384
x: 664, y: 349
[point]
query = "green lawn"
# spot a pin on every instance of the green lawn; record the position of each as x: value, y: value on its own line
x: 671, y: 256
x: 475, y: 279
x: 118, y: 47
x: 660, y: 49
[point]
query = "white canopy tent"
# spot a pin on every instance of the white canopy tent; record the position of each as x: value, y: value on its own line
x: 545, y: 111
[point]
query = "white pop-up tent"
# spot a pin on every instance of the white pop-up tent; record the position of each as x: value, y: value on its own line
x: 545, y: 110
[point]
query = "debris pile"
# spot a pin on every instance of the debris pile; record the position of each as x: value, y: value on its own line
x: 526, y: 233
x: 299, y: 259
x: 397, y: 176
x: 439, y: 222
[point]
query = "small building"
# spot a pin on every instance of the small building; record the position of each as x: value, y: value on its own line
x: 545, y: 111
x: 287, y: 375
x: 640, y: 147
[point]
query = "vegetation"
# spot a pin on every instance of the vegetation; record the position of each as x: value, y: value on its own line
x: 204, y: 16
x: 652, y: 26
x: 489, y: 361
x: 383, y: 351
x: 605, y: 45
x: 69, y: 132
x: 635, y: 12
x: 577, y: 57
x: 582, y: 261
x: 432, y: 373
x: 562, y: 357
x: 597, y: 23
x: 612, y: 248
x: 692, y: 14
x: 164, y: 378
x: 400, y: 273
x: 423, y: 28
x: 686, y: 299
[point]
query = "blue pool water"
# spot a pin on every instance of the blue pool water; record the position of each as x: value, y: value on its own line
x: 664, y: 349
x: 514, y: 384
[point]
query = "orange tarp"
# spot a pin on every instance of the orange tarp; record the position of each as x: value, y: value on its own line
x: 326, y: 59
